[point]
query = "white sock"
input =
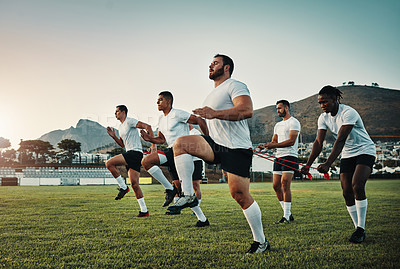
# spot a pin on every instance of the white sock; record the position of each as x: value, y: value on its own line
x: 199, y: 213
x: 353, y: 214
x: 253, y: 216
x: 185, y: 167
x: 286, y: 210
x: 156, y: 172
x: 361, y: 206
x: 282, y: 204
x: 142, y: 204
x: 121, y: 182
x: 197, y: 205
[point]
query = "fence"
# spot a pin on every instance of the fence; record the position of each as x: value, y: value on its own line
x: 37, y: 176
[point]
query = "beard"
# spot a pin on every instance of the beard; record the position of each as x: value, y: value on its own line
x: 217, y: 73
x: 283, y: 114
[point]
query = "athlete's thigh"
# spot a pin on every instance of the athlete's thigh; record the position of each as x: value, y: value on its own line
x: 276, y: 179
x: 117, y: 160
x: 238, y: 184
x: 361, y: 173
x: 197, y: 146
x: 152, y: 158
x: 287, y: 176
x: 346, y: 180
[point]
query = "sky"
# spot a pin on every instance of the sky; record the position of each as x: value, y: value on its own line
x: 61, y: 61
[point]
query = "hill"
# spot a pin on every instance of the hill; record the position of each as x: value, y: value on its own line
x: 89, y: 133
x: 378, y: 107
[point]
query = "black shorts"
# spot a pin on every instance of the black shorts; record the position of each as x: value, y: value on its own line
x: 348, y: 165
x: 235, y: 161
x: 198, y: 170
x: 169, y: 153
x: 134, y: 159
x: 282, y: 166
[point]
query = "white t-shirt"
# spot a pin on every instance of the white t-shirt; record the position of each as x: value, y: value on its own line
x: 282, y: 130
x: 231, y: 134
x: 174, y: 125
x: 130, y: 134
x: 358, y: 142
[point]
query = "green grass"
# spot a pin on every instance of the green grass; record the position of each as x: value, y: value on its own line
x: 84, y: 227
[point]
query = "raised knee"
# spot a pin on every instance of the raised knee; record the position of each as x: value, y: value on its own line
x: 108, y: 164
x: 179, y: 145
x: 146, y: 164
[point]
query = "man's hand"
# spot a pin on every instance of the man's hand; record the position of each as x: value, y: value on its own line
x: 111, y: 132
x: 205, y: 112
x: 323, y: 168
x: 270, y: 145
x: 305, y: 170
x: 145, y: 135
x: 261, y: 146
x: 153, y: 148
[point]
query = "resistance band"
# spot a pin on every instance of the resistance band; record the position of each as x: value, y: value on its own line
x: 260, y: 154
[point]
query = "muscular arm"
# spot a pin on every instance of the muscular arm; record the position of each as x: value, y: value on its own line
x: 160, y: 139
x: 118, y: 140
x: 242, y: 109
x: 199, y: 121
x: 343, y: 133
x: 145, y: 126
x: 287, y: 143
x: 316, y: 150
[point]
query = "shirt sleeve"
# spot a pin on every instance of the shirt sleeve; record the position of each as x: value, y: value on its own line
x: 132, y: 122
x: 321, y: 122
x: 350, y: 117
x: 183, y: 116
x: 239, y: 89
x: 294, y: 126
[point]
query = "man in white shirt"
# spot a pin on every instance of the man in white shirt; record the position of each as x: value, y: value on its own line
x: 172, y: 124
x: 358, y: 154
x: 130, y: 140
x: 285, y: 140
x: 226, y: 109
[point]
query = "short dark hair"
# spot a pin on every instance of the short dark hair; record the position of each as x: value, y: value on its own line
x: 123, y: 108
x: 332, y: 92
x: 167, y: 95
x: 226, y: 60
x: 284, y: 102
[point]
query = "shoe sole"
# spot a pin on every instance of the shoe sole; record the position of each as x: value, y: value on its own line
x: 167, y: 202
x: 172, y: 213
x: 202, y: 224
x: 119, y: 198
x: 266, y: 249
x: 358, y: 242
x: 192, y: 204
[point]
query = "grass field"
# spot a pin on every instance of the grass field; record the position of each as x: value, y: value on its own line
x: 84, y: 227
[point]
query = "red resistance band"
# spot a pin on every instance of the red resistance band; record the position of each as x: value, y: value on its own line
x: 259, y: 154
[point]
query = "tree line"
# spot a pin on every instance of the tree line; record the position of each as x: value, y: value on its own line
x: 38, y: 151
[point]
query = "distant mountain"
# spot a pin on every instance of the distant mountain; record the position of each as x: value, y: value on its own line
x: 379, y: 109
x: 89, y: 133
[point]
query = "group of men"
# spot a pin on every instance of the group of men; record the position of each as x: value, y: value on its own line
x: 225, y: 140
